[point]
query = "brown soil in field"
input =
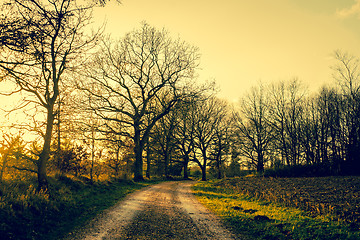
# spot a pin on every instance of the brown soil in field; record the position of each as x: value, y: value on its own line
x: 338, y: 196
x: 163, y: 211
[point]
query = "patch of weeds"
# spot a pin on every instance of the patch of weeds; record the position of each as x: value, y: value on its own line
x: 70, y: 202
x: 266, y: 220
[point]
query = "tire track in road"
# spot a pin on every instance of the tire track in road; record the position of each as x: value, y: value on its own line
x: 162, y: 218
x: 163, y: 211
x: 114, y: 218
x: 209, y: 224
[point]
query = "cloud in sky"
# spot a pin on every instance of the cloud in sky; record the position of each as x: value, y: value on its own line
x: 354, y: 10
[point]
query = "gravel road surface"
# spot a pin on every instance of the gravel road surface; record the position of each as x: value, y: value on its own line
x: 163, y: 211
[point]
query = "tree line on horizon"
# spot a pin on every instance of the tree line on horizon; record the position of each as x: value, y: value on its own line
x: 99, y: 107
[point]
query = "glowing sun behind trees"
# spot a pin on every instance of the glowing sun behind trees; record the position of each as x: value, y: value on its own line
x: 137, y: 80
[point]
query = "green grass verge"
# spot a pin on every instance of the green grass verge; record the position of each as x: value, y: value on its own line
x: 25, y: 214
x: 266, y: 220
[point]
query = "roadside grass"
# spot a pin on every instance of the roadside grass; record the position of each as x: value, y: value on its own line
x: 268, y: 220
x: 70, y: 203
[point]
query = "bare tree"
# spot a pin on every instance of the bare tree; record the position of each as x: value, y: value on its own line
x: 163, y: 139
x: 323, y: 134
x: 185, y: 130
x: 253, y: 128
x: 208, y: 114
x: 138, y: 80
x: 347, y: 74
x: 118, y: 155
x: 187, y: 117
x: 310, y: 131
x: 287, y: 108
x: 37, y: 61
x: 221, y: 141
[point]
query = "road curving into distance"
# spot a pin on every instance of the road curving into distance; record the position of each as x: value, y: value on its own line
x: 163, y: 211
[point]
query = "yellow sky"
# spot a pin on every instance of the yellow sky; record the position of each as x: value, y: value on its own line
x: 243, y: 41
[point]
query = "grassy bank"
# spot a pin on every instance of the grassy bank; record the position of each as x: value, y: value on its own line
x: 25, y: 214
x: 248, y: 213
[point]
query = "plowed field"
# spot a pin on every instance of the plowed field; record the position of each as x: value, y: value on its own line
x: 337, y: 196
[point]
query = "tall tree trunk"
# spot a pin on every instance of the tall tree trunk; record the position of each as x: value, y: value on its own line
x: 166, y: 161
x: 58, y: 151
x: 260, y: 163
x: 45, y: 153
x: 138, y: 164
x: 203, y: 172
x: 203, y: 167
x: 3, y: 167
x: 218, y: 166
x: 218, y: 160
x: 186, y: 162
x: 138, y: 150
x: 148, y: 160
x: 92, y: 153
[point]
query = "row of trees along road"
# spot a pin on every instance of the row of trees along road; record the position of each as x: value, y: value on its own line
x: 101, y: 106
x: 136, y: 81
x: 283, y: 125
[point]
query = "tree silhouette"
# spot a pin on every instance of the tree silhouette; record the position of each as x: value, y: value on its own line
x: 137, y: 81
x: 47, y: 40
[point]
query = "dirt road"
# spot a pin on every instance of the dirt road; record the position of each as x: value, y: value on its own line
x: 163, y: 211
